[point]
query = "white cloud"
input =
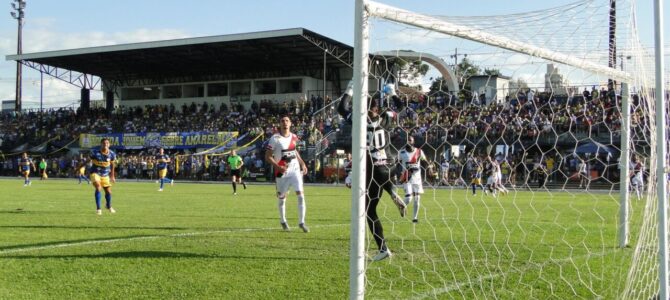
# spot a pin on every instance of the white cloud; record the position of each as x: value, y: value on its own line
x: 415, y: 37
x: 42, y: 38
x: 46, y: 40
x: 7, y: 88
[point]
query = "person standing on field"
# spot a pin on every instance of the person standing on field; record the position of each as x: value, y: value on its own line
x: 378, y: 173
x: 102, y: 174
x: 235, y: 162
x: 81, y: 171
x: 289, y: 169
x: 410, y: 159
x: 582, y: 173
x: 42, y: 166
x: 25, y: 164
x: 162, y: 161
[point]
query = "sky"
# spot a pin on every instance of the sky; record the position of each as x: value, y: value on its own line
x: 59, y: 25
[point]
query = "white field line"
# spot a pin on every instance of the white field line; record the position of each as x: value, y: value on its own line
x: 479, y: 280
x: 149, y: 237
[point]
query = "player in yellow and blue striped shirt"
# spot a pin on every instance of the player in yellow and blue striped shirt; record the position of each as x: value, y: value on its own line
x: 476, y: 176
x: 81, y: 171
x: 162, y: 161
x: 25, y: 164
x: 102, y: 174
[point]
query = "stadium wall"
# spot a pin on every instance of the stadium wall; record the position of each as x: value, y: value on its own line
x: 242, y: 92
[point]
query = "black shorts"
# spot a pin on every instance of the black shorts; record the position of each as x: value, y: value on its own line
x: 377, y: 179
x: 236, y: 173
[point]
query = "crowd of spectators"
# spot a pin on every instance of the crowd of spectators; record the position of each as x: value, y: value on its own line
x: 519, y: 169
x: 528, y: 116
x: 260, y: 119
x: 35, y: 127
x: 142, y: 165
x: 437, y: 120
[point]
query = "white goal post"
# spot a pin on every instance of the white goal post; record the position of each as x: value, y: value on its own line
x: 661, y: 149
x: 358, y: 149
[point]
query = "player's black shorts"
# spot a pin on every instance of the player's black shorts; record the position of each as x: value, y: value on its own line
x: 235, y: 173
x: 378, y: 178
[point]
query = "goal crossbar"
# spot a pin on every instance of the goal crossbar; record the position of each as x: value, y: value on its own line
x: 438, y: 25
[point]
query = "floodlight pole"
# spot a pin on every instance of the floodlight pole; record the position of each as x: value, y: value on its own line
x: 18, y: 6
x: 661, y: 174
x: 358, y: 135
x: 611, y: 60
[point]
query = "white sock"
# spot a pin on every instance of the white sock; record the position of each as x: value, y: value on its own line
x: 417, y: 199
x: 302, y: 209
x: 282, y: 209
x: 408, y: 199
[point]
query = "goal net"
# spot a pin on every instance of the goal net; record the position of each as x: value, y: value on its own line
x: 522, y: 119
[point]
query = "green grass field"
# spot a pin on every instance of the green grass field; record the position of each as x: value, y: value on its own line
x: 198, y: 241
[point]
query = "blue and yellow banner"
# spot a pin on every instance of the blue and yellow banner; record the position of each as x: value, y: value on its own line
x: 167, y: 140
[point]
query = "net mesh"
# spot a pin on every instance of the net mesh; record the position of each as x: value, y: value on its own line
x: 546, y: 225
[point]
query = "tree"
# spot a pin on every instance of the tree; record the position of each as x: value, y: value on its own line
x: 465, y: 70
x: 438, y: 86
x: 411, y: 72
x: 492, y: 72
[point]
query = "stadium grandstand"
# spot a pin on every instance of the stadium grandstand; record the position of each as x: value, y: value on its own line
x: 201, y: 97
x: 206, y: 86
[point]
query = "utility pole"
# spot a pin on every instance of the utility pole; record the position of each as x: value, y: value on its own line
x: 455, y: 57
x: 18, y: 6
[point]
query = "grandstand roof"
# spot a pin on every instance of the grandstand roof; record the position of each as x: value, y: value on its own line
x: 273, y: 53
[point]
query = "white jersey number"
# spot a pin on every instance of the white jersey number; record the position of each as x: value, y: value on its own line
x: 376, y: 139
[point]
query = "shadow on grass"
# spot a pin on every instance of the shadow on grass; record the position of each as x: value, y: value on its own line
x: 290, y: 236
x: 73, y: 242
x: 15, y: 211
x: 202, y: 215
x: 154, y: 254
x: 19, y: 211
x: 275, y: 219
x: 90, y: 227
x: 125, y: 254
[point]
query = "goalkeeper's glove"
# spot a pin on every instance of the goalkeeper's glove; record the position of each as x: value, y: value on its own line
x: 389, y: 89
x: 350, y: 88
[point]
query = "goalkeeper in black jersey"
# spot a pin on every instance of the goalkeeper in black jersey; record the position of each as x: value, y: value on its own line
x: 378, y: 172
